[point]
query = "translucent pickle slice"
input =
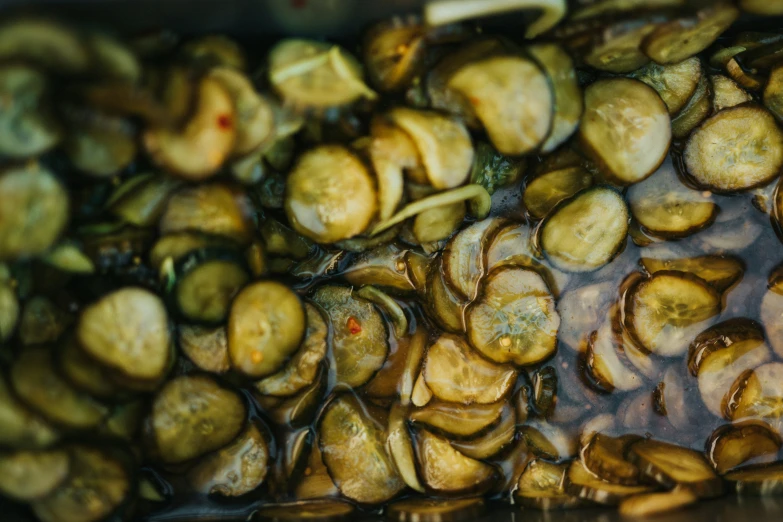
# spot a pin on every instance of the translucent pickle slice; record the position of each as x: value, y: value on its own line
x: 749, y: 442
x: 625, y: 128
x: 541, y: 486
x: 674, y: 83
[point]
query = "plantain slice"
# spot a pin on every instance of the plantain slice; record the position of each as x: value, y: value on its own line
x: 720, y: 272
x: 697, y: 109
x: 207, y: 348
x: 665, y: 312
x: 719, y: 355
x: 726, y: 93
x: 734, y: 445
x: 514, y: 320
x: 234, y: 470
x: 680, y: 39
x: 464, y: 258
x: 512, y: 97
x: 266, y: 324
x: 541, y: 486
x: 543, y: 193
x: 625, y: 128
x: 758, y: 393
x: 654, y: 504
x: 675, y: 83
x: 457, y: 420
x: 492, y: 442
x: 585, y: 232
x: 760, y: 480
x: 579, y: 482
x: 557, y: 64
x: 37, y: 383
x: 755, y: 155
x: 400, y: 447
x: 28, y: 475
x: 443, y: 143
x: 319, y: 510
x: 604, y: 456
x: 193, y: 415
x: 360, y: 342
x: 95, y: 475
x: 455, y: 373
x: 671, y: 465
x: 356, y: 457
x: 446, y: 471
x: 435, y: 510
x: 666, y: 208
x: 301, y: 370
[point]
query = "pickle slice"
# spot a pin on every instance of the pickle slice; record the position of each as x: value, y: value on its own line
x: 773, y: 92
x: 457, y: 420
x: 654, y: 504
x: 695, y: 111
x: 615, y: 48
x: 400, y: 447
x: 455, y: 373
x: 319, y: 510
x: 352, y: 440
x: 541, y: 486
x: 447, y: 310
x: 234, y: 470
x: 435, y: 510
x: 394, y: 52
x: 758, y: 394
x: 385, y: 266
x: 585, y: 232
x: 604, y: 456
x: 315, y: 482
x: 83, y: 372
x: 492, y: 442
x: 36, y: 382
x: 761, y: 480
x: 772, y: 317
x: 675, y: 83
x: 515, y: 319
x: 734, y: 445
x: 678, y: 40
x: 29, y: 475
x: 720, y: 272
x: 19, y: 427
x: 753, y: 159
x: 548, y: 441
x: 302, y: 369
x: 626, y: 128
x: 95, y: 475
x: 665, y: 207
x: 545, y: 192
x: 265, y: 327
x: 726, y: 93
x: 671, y: 465
x: 193, y: 415
x: 297, y: 410
x: 664, y: 313
x: 360, y: 342
x: 579, y: 482
x: 44, y: 42
x: 581, y: 311
x: 207, y: 348
x: 602, y: 363
x: 464, y: 259
x: 446, y: 471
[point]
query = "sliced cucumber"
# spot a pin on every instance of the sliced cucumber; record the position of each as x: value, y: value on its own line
x: 665, y: 207
x: 301, y: 370
x: 749, y: 442
x: 97, y: 144
x: 615, y: 48
x: 676, y: 41
x: 494, y: 441
x: 141, y: 199
x: 493, y: 170
x: 297, y: 410
x: 759, y: 480
x: 42, y: 321
x: 758, y: 394
x: 446, y: 309
x: 393, y: 53
x: 773, y: 92
x: 435, y: 510
x: 30, y: 475
x: 315, y: 482
x: 446, y: 471
x: 193, y: 415
x: 455, y: 373
x: 664, y: 313
x: 548, y: 441
x: 207, y: 348
x: 400, y: 446
x: 675, y: 83
x: 604, y: 456
x: 543, y: 193
x: 581, y: 311
x: 357, y: 458
x: 19, y: 427
x: 579, y: 482
x: 50, y: 44
x: 464, y: 261
x: 726, y: 93
x: 83, y: 372
x: 695, y: 111
x: 384, y: 266
x: 720, y: 272
x: 541, y: 486
x: 755, y: 157
x: 654, y: 504
x: 318, y: 510
x: 514, y: 320
x: 544, y: 388
x: 360, y: 341
x: 438, y: 223
x: 585, y: 232
x: 625, y: 128
x: 458, y: 420
x: 603, y: 364
x: 234, y: 470
x: 671, y: 465
x: 330, y: 195
x: 265, y: 327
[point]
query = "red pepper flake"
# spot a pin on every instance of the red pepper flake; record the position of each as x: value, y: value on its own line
x: 353, y: 326
x: 224, y: 121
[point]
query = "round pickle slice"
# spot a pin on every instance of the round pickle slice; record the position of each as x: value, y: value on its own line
x: 514, y: 319
x: 762, y: 480
x: 580, y: 482
x: 435, y: 510
x: 585, y: 232
x: 193, y: 415
x: 749, y: 442
x: 265, y: 327
x: 541, y: 486
x: 352, y: 439
x: 29, y: 475
x: 330, y: 195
